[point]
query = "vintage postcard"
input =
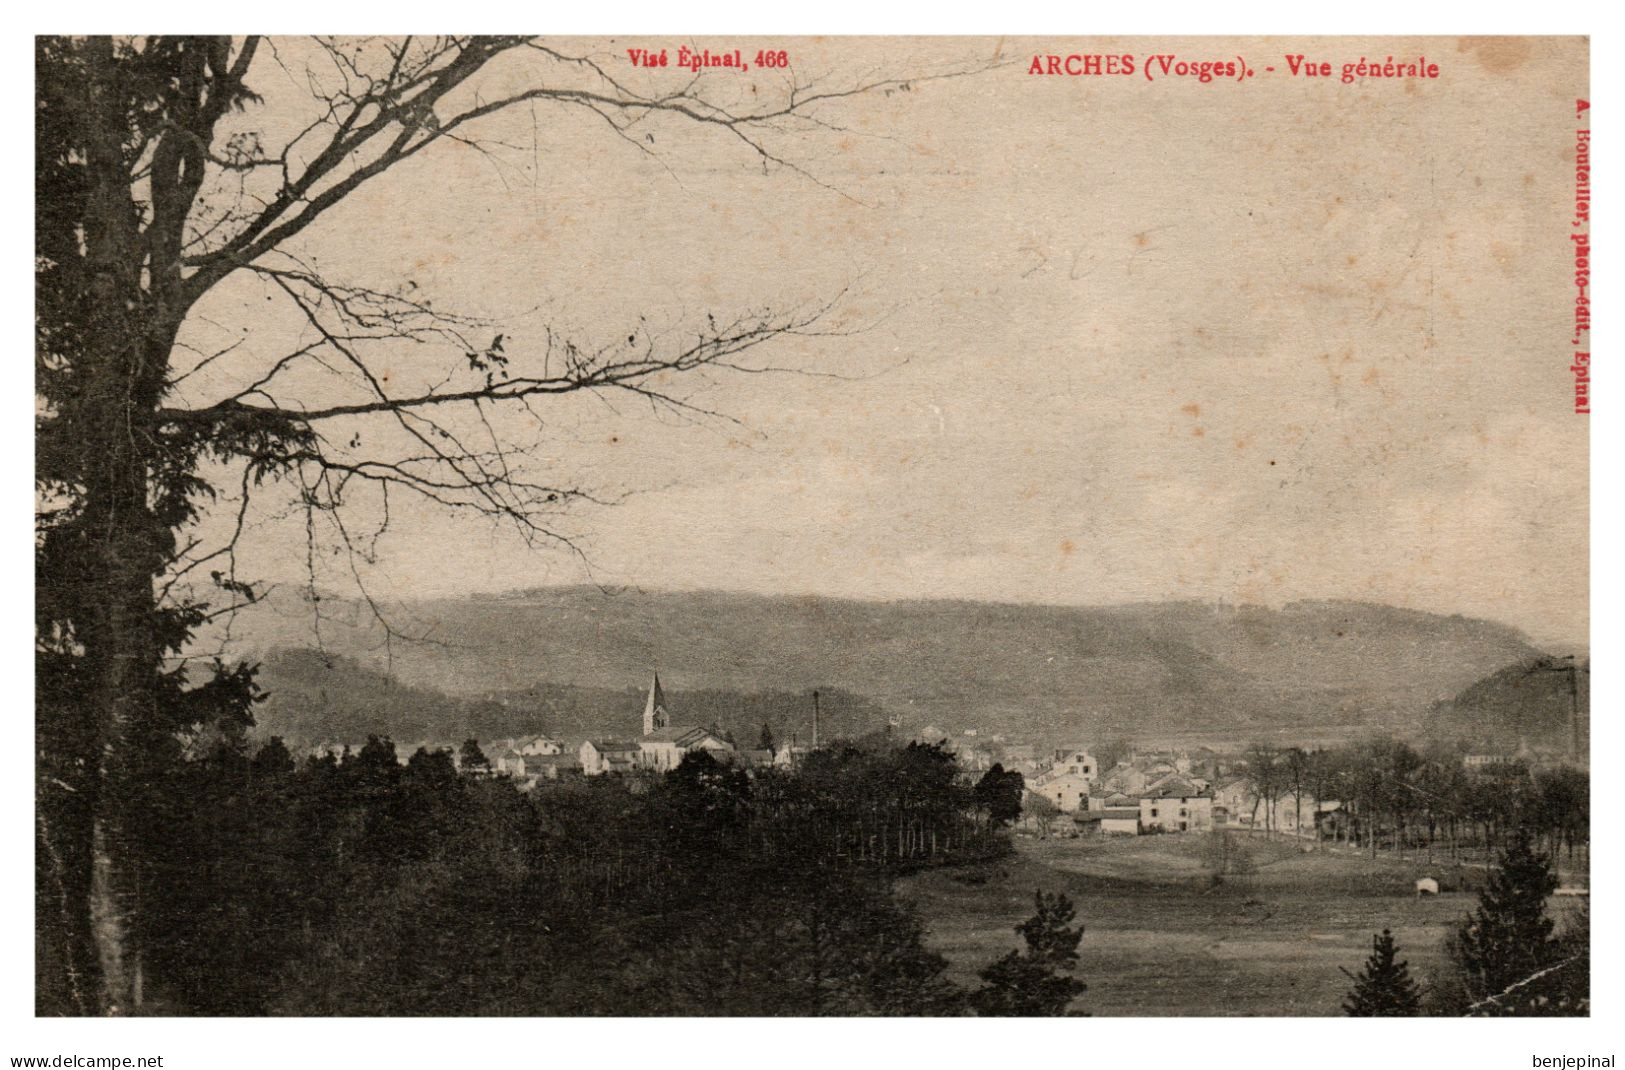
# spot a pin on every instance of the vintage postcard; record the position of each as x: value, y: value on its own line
x: 812, y: 526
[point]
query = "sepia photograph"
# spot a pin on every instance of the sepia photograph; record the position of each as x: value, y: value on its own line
x: 662, y: 526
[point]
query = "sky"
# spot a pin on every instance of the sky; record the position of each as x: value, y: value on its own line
x: 1098, y: 340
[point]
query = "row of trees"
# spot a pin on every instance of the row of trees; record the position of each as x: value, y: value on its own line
x: 1398, y: 797
x: 1505, y: 959
x: 361, y: 886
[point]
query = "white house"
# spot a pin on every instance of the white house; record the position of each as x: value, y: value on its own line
x: 1068, y: 781
x: 1076, y: 762
x: 1176, y: 806
x: 1069, y: 791
x: 537, y: 746
x: 600, y: 756
x: 1233, y: 802
x: 511, y: 757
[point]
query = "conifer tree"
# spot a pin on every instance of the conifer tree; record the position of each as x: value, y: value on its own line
x: 1508, y: 941
x: 472, y: 760
x: 999, y: 795
x: 1384, y: 989
x: 1035, y: 982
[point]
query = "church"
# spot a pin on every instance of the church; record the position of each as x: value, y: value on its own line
x: 664, y: 744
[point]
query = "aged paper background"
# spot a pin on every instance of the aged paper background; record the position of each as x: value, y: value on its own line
x: 1116, y: 339
x: 1087, y: 340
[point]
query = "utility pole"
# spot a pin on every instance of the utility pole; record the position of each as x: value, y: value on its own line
x: 815, y: 719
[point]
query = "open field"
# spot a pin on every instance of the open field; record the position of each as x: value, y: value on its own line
x: 1160, y: 940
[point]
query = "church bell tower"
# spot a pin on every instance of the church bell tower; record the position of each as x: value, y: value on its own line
x: 654, y: 710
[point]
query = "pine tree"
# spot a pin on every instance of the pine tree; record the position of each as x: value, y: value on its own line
x: 999, y: 795
x: 1035, y: 982
x: 1384, y: 989
x: 1504, y: 949
x: 472, y: 760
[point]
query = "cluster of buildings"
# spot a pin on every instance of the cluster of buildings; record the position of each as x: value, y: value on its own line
x: 532, y: 759
x: 1164, y: 791
x: 1201, y: 789
x: 660, y: 748
x: 1157, y: 792
x: 1146, y: 792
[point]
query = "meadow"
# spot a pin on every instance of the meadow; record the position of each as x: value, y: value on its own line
x: 1161, y: 938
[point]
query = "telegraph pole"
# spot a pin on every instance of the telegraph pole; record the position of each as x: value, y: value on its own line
x: 815, y: 719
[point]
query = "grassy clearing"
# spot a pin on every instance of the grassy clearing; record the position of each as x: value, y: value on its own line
x: 1161, y: 940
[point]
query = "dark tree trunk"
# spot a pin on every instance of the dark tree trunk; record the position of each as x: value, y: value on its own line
x: 123, y: 362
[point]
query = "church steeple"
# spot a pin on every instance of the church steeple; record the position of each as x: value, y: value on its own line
x: 654, y: 710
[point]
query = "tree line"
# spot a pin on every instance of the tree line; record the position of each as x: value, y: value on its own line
x: 358, y: 885
x: 1396, y: 797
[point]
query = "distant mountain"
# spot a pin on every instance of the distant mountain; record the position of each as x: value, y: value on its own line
x: 328, y: 698
x: 317, y: 698
x: 575, y: 659
x: 1540, y: 701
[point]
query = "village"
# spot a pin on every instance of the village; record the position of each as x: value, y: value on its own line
x: 1115, y: 789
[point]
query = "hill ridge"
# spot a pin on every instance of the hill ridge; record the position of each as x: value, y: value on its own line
x: 1039, y: 671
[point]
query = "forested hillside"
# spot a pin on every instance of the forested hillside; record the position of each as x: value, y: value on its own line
x: 577, y: 658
